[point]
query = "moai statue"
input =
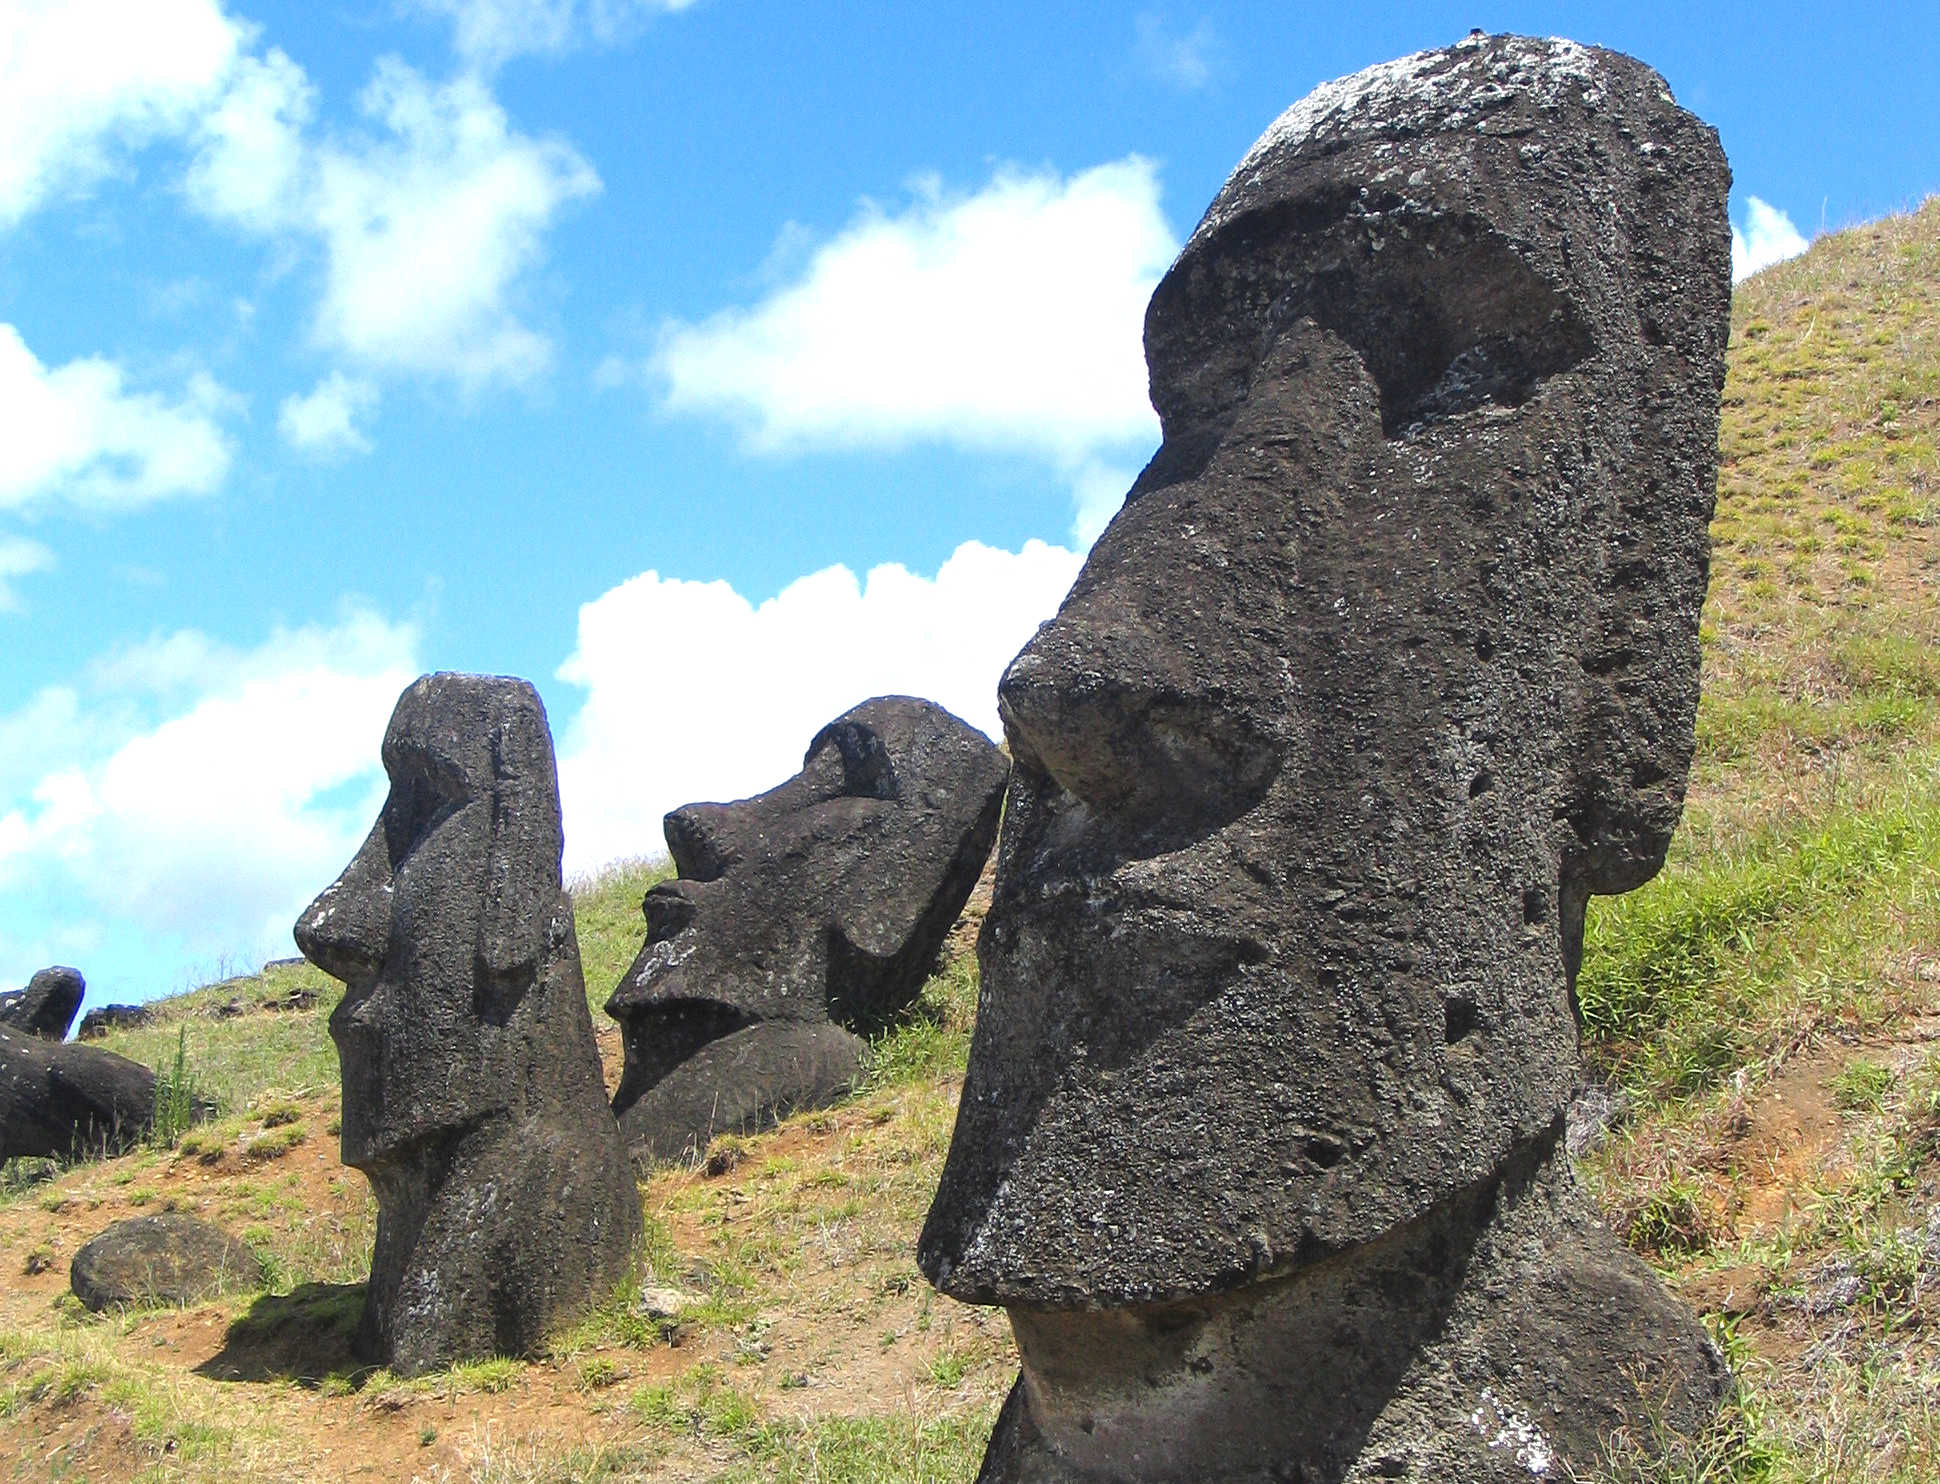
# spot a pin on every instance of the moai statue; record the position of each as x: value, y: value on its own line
x: 800, y: 918
x: 472, y: 1095
x: 1388, y: 663
x: 47, y: 1006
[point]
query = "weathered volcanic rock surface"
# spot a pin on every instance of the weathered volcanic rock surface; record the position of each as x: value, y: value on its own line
x: 98, y: 1022
x: 46, y: 1007
x: 799, y: 919
x: 59, y: 1099
x: 1388, y: 664
x: 153, y: 1261
x: 472, y: 1095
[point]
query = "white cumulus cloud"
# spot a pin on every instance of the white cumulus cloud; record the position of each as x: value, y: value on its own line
x: 76, y: 433
x: 1767, y: 237
x: 693, y: 692
x: 250, y: 162
x: 18, y: 558
x: 324, y: 424
x: 1007, y: 319
x: 490, y: 32
x: 428, y: 228
x: 426, y: 224
x: 83, y: 80
x: 186, y: 798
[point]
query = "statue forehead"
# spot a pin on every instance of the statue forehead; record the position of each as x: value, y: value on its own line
x: 447, y: 729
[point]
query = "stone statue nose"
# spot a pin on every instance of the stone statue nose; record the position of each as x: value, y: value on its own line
x: 1125, y: 721
x: 346, y: 931
x: 700, y: 840
x: 1070, y: 718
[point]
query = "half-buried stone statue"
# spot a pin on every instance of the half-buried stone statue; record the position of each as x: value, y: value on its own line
x: 47, y: 1006
x: 800, y: 918
x: 60, y: 1100
x: 1387, y: 665
x: 472, y: 1095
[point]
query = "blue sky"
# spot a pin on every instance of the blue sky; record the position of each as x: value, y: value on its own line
x: 714, y: 365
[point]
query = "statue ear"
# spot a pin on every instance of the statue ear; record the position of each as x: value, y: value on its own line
x: 522, y: 882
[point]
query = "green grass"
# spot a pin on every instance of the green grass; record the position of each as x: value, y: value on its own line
x: 236, y: 1059
x: 177, y: 1092
x: 1733, y: 952
x: 606, y: 917
x: 897, y: 1449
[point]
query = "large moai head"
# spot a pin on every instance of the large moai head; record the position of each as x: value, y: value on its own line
x: 441, y: 925
x: 472, y: 1095
x: 799, y: 918
x: 1389, y: 661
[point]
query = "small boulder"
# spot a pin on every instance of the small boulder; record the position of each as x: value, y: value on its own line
x: 155, y: 1260
x: 46, y: 1007
x: 661, y: 1301
x: 59, y: 1099
x: 104, y: 1018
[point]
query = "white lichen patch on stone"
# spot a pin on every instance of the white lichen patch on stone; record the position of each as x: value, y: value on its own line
x: 1421, y: 92
x: 1505, y: 1428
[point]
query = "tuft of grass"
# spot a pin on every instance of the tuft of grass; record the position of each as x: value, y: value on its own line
x: 178, y: 1096
x: 275, y: 1142
x: 931, y: 1039
x: 274, y: 1110
x: 1861, y: 1085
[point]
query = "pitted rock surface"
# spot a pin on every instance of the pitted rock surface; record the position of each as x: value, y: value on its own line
x: 59, y: 1099
x: 1388, y: 663
x: 472, y: 1096
x: 46, y: 1007
x: 154, y: 1261
x: 799, y: 920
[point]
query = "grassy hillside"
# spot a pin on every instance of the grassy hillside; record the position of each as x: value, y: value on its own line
x: 1766, y: 1014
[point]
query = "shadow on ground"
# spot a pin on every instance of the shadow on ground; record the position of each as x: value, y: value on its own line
x: 301, y: 1336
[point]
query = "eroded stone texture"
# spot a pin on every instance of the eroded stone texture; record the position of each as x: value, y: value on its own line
x: 1389, y: 662
x: 61, y: 1099
x: 151, y: 1261
x: 46, y: 1007
x: 800, y: 918
x: 472, y: 1096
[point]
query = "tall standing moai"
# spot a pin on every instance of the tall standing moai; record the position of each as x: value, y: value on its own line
x: 1387, y: 665
x: 472, y: 1096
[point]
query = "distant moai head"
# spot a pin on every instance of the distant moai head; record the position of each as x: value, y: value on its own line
x: 1389, y: 661
x: 440, y: 925
x: 821, y: 901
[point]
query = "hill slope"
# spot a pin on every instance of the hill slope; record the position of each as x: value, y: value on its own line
x: 1766, y: 1014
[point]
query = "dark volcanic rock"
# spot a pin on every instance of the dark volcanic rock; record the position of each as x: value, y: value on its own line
x: 46, y: 1007
x: 1389, y: 662
x: 104, y: 1018
x: 472, y: 1090
x: 800, y: 918
x: 59, y: 1099
x: 155, y: 1260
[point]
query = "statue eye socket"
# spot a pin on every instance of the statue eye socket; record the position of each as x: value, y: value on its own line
x: 667, y: 911
x: 1446, y: 319
x: 867, y: 770
x: 413, y: 811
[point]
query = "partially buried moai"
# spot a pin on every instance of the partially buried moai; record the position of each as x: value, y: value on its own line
x: 472, y: 1096
x: 1388, y: 664
x: 800, y: 919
